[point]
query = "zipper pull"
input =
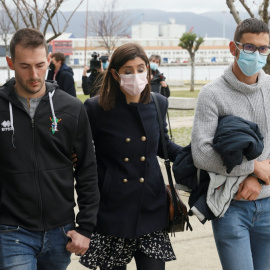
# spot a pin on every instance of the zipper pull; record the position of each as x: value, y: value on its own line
x: 32, y: 121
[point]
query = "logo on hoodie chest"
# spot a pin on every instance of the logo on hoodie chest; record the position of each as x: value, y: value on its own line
x: 6, y: 126
x: 54, y: 124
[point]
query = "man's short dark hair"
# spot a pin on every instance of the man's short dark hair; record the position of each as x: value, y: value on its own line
x: 27, y: 38
x: 59, y: 57
x: 155, y: 56
x: 251, y: 25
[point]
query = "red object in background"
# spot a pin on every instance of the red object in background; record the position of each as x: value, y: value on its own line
x: 63, y: 46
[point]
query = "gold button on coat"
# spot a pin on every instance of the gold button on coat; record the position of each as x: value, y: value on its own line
x: 141, y: 180
x: 143, y: 138
x: 142, y: 158
x: 126, y: 159
x: 127, y: 139
x: 125, y: 180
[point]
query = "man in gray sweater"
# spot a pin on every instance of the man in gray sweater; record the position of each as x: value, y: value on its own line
x: 242, y: 235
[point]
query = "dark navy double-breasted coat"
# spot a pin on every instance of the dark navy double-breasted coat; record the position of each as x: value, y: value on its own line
x: 127, y: 142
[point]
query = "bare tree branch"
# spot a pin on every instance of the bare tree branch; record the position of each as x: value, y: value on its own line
x: 233, y: 11
x: 109, y: 25
x: 48, y: 22
x: 5, y: 29
x: 243, y: 2
x: 265, y: 16
x: 23, y: 6
x: 20, y: 11
x: 10, y: 16
x: 51, y: 23
x: 69, y: 18
x: 39, y: 14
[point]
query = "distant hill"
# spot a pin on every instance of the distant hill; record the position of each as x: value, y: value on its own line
x: 208, y: 24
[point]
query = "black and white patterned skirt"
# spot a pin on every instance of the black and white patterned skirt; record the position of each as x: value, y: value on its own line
x: 110, y: 251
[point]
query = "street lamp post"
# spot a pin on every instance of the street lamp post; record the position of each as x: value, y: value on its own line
x: 224, y: 12
x: 86, y: 31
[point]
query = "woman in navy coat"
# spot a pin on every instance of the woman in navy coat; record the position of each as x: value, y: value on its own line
x: 133, y: 211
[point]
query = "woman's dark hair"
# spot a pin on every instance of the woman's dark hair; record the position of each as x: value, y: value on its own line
x: 110, y: 87
x: 250, y: 25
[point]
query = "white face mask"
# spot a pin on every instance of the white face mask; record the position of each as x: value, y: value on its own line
x: 133, y: 84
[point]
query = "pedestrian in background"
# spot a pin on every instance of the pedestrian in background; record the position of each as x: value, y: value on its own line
x: 92, y: 83
x: 61, y: 73
x: 158, y: 83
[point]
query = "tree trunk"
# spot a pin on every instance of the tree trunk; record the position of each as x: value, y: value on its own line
x: 192, y: 59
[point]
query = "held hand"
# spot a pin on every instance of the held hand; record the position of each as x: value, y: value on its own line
x: 85, y: 70
x: 262, y: 170
x: 163, y: 84
x: 249, y: 189
x: 79, y: 244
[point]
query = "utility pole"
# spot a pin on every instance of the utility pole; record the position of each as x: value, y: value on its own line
x: 224, y: 12
x: 86, y: 31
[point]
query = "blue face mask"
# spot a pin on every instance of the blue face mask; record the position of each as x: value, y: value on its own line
x: 251, y: 63
x: 105, y: 65
x: 153, y: 66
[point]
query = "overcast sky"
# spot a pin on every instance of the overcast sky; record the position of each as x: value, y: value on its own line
x: 196, y: 6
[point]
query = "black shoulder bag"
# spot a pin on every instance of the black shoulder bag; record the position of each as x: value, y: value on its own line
x: 178, y: 215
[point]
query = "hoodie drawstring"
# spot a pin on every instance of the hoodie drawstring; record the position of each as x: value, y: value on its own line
x: 54, y: 125
x: 11, y: 123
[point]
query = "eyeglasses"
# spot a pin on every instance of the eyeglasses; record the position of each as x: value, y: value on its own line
x: 250, y: 48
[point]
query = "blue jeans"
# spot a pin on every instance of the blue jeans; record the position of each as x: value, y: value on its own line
x: 243, y: 235
x: 22, y: 249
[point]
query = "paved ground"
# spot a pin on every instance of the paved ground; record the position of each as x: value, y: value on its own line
x: 194, y: 250
x: 178, y: 122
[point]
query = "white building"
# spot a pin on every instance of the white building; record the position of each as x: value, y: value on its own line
x: 145, y: 30
x: 172, y: 30
x: 212, y: 50
x: 150, y: 30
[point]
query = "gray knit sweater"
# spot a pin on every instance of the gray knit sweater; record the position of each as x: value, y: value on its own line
x: 228, y: 96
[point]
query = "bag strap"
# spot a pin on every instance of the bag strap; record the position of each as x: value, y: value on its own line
x: 168, y: 165
x: 166, y: 159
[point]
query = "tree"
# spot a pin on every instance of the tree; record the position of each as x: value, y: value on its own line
x: 41, y: 15
x: 191, y: 42
x: 5, y: 30
x: 259, y: 9
x: 109, y: 24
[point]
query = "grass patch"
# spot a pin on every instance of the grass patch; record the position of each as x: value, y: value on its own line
x: 185, y: 93
x: 177, y: 93
x: 82, y: 97
x: 180, y: 113
x: 182, y: 136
